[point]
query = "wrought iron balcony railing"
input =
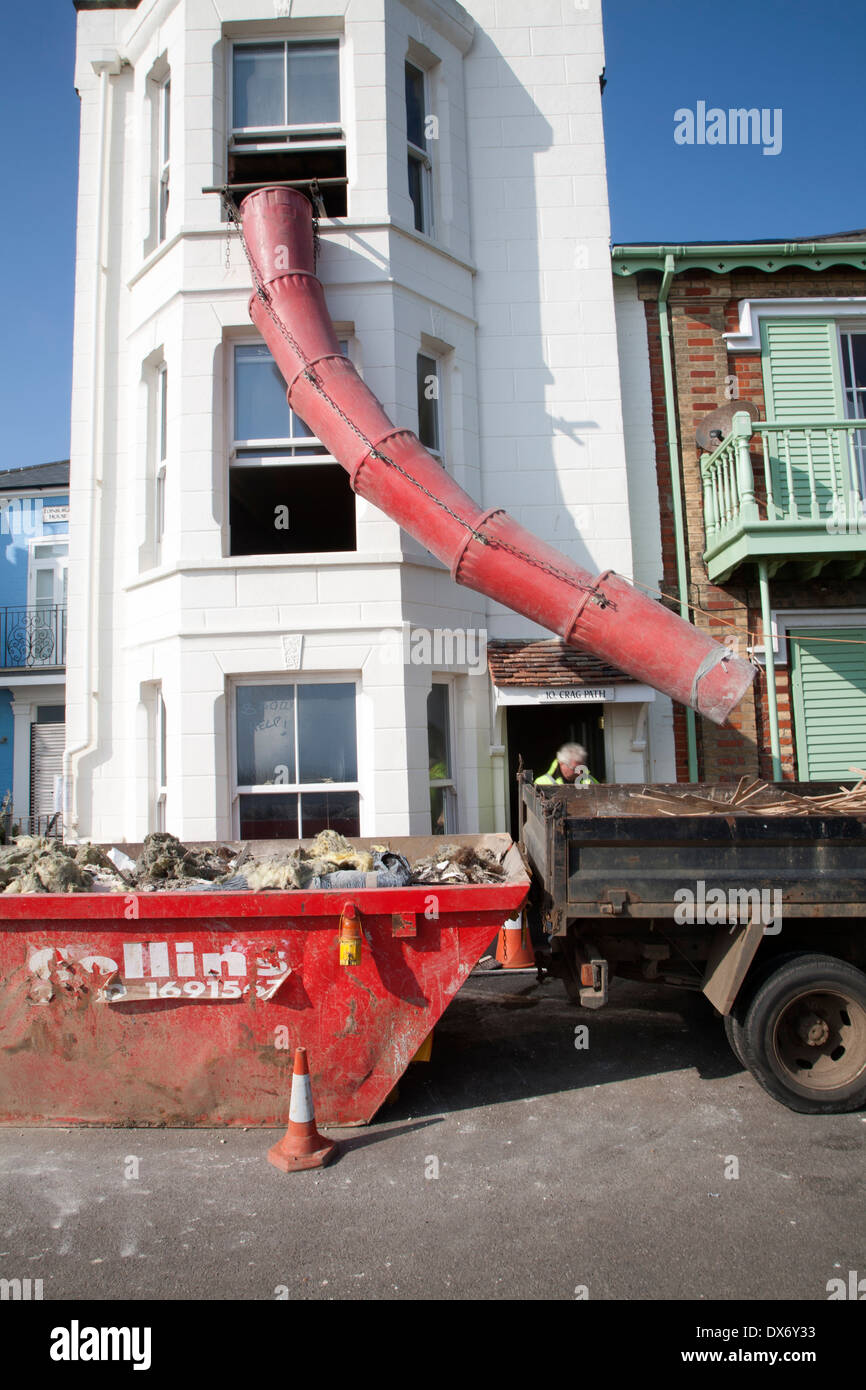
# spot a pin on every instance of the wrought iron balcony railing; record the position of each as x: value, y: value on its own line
x: 32, y: 638
x: 785, y: 492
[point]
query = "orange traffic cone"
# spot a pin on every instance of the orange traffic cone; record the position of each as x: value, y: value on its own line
x: 302, y: 1146
x: 514, y: 949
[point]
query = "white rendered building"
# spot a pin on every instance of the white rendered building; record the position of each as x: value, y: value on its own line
x: 252, y: 650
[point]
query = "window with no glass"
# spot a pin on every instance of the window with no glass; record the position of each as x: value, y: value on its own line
x: 297, y: 763
x: 285, y: 116
x: 287, y: 495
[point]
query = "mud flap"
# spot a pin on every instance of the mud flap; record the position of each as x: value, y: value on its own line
x: 731, y: 954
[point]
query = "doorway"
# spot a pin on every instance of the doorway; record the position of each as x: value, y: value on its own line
x: 47, y: 574
x: 534, y: 732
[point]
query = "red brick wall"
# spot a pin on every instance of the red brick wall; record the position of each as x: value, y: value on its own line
x: 702, y: 307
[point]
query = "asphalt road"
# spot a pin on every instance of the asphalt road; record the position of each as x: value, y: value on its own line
x: 646, y: 1165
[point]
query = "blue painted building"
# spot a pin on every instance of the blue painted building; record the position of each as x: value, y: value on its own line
x: 34, y: 527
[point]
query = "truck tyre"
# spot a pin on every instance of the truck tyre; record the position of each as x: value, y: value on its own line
x: 752, y: 983
x: 733, y: 1029
x: 803, y: 1035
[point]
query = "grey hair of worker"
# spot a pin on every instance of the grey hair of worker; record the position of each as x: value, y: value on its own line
x: 572, y: 753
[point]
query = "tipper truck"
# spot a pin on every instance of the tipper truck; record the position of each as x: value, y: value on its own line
x: 763, y: 913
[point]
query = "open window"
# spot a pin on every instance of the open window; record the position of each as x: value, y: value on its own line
x: 285, y: 117
x: 287, y: 495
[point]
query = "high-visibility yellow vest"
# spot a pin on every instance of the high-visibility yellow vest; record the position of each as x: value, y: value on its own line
x: 553, y: 777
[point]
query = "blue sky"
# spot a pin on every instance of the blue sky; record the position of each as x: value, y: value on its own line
x: 40, y: 113
x: 803, y: 58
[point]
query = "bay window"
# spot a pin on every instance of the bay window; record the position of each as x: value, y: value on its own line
x: 296, y: 759
x: 161, y: 453
x: 429, y: 412
x: 419, y: 166
x: 285, y: 116
x: 164, y: 147
x: 287, y: 495
x: 161, y: 762
x: 443, y: 793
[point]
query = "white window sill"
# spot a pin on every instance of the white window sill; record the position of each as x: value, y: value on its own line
x: 326, y: 225
x: 312, y: 560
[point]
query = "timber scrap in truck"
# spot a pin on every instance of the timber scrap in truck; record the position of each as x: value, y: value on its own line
x: 756, y: 903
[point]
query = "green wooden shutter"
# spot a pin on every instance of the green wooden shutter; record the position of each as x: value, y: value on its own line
x: 829, y: 686
x: 800, y: 358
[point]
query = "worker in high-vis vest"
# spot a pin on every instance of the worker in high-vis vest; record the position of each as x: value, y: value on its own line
x: 568, y: 767
x: 438, y: 772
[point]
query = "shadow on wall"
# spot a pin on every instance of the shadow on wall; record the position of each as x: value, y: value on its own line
x: 521, y: 439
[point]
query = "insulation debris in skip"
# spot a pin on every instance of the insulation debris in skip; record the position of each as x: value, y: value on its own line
x: 34, y: 865
x: 458, y: 864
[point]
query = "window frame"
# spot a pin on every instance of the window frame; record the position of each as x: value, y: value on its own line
x: 806, y: 770
x: 845, y: 328
x: 420, y: 155
x: 285, y: 452
x: 784, y: 619
x: 57, y: 564
x: 292, y: 445
x: 449, y: 783
x: 297, y: 789
x: 160, y: 761
x: 275, y: 138
x: 161, y: 455
x: 163, y: 157
x: 437, y: 450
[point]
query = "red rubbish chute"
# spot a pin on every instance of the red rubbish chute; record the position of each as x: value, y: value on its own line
x: 485, y: 550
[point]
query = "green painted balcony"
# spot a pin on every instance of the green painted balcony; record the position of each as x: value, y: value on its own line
x: 788, y: 494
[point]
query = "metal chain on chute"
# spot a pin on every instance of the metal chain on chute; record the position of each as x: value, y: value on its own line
x: 317, y: 206
x: 310, y: 375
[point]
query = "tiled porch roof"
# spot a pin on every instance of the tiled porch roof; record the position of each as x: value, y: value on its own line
x: 515, y: 661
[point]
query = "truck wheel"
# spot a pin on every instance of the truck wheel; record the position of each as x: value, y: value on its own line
x: 803, y: 1035
x: 752, y: 983
x: 733, y: 1030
